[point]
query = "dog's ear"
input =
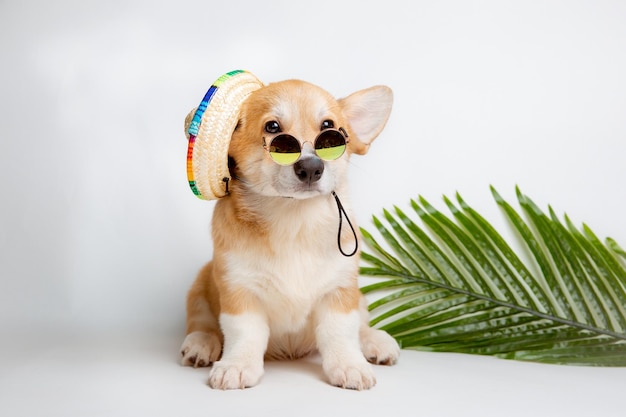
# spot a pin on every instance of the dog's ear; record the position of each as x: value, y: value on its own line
x: 367, y: 112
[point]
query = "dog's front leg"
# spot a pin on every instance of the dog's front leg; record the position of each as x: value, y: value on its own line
x: 246, y: 333
x: 337, y: 335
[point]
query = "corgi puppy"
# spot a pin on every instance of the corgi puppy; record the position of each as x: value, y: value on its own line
x: 282, y: 283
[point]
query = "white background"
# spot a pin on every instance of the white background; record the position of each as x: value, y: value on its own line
x: 100, y: 236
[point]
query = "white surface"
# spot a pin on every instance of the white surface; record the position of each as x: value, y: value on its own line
x: 100, y: 236
x: 137, y: 375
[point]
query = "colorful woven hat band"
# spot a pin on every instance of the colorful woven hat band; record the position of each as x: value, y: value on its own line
x: 209, y: 129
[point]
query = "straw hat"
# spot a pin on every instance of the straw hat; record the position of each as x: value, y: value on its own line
x: 209, y: 128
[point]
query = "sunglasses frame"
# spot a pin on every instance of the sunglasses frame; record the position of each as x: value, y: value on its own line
x: 339, y: 130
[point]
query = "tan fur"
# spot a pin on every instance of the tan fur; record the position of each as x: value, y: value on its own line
x: 276, y: 262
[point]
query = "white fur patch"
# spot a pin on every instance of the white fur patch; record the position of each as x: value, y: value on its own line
x: 245, y: 341
x: 378, y: 347
x: 338, y: 342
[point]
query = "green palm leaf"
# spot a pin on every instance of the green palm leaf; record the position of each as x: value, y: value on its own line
x: 458, y: 286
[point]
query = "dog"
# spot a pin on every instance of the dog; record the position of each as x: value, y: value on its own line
x: 281, y: 283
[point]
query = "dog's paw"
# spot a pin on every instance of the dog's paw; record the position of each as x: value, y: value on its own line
x: 379, y: 348
x: 233, y: 376
x: 357, y: 376
x: 200, y: 349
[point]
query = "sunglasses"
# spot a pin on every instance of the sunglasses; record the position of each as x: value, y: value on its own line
x: 329, y: 145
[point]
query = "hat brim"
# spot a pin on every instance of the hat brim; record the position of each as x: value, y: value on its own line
x: 209, y: 128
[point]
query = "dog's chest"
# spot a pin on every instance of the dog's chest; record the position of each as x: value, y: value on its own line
x: 291, y: 261
x: 293, y: 275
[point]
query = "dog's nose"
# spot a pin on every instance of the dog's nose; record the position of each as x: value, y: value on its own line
x: 309, y: 170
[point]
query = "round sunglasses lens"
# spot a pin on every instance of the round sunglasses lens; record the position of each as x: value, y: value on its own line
x: 285, y: 149
x: 330, y: 145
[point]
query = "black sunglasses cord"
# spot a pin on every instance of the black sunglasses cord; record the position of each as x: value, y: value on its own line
x: 342, y: 212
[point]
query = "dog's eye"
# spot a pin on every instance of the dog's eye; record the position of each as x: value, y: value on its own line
x: 272, y: 127
x: 327, y: 124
